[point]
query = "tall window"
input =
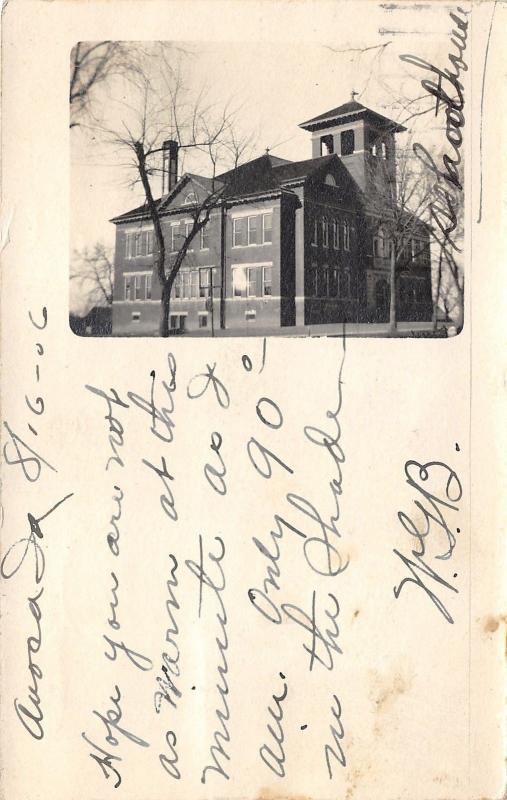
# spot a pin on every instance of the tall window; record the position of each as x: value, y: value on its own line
x: 194, y: 283
x: 239, y: 232
x: 312, y: 281
x: 267, y: 227
x: 175, y: 235
x: 188, y: 228
x: 127, y: 287
x: 325, y: 232
x: 205, y: 237
x: 344, y: 284
x: 347, y: 142
x: 336, y: 234
x: 315, y: 232
x: 148, y: 287
x: 267, y: 278
x: 204, y: 282
x: 253, y: 230
x: 346, y: 234
x: 326, y: 145
x: 333, y: 282
x: 137, y: 287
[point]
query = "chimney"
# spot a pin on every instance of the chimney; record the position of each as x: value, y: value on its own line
x: 169, y: 165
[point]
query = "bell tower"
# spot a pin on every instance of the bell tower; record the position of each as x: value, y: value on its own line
x: 362, y: 139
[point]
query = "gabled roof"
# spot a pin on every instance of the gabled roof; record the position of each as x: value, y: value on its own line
x: 207, y: 184
x: 352, y: 110
x: 264, y: 174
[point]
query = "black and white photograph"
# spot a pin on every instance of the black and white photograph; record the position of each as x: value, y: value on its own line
x: 269, y: 189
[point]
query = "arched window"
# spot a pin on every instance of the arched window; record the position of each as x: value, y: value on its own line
x: 330, y: 180
x: 190, y: 199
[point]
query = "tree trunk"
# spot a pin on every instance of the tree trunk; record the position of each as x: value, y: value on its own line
x: 165, y: 302
x: 392, y: 298
x: 460, y: 316
x: 437, y: 291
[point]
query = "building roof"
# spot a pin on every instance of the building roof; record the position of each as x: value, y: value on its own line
x: 208, y: 184
x: 351, y: 110
x: 268, y: 173
x: 264, y: 174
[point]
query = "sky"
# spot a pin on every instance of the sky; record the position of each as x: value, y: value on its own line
x: 275, y: 82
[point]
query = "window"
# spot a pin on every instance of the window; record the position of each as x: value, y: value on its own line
x: 137, y: 287
x: 324, y: 281
x: 128, y: 288
x: 267, y: 227
x: 346, y: 234
x: 267, y: 273
x: 188, y: 229
x: 251, y: 281
x: 194, y: 283
x: 383, y: 150
x: 177, y: 322
x: 336, y: 234
x: 312, y: 281
x: 333, y: 282
x: 139, y: 243
x: 203, y: 320
x: 204, y: 282
x: 344, y: 284
x: 253, y: 230
x: 347, y: 139
x: 149, y: 242
x: 147, y: 287
x: 325, y: 232
x: 190, y: 199
x: 315, y: 234
x: 239, y: 233
x: 326, y: 145
x: 129, y: 245
x: 239, y: 280
x: 382, y: 245
x: 136, y: 316
x: 175, y: 235
x: 330, y: 180
x: 257, y: 229
x: 205, y: 237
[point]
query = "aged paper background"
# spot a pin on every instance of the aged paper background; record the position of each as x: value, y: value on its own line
x: 422, y: 700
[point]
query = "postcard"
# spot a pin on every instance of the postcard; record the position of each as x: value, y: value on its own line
x: 253, y: 391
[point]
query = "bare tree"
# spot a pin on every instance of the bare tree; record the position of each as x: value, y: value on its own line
x: 450, y: 288
x: 92, y: 273
x: 91, y: 64
x: 399, y: 202
x: 169, y: 111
